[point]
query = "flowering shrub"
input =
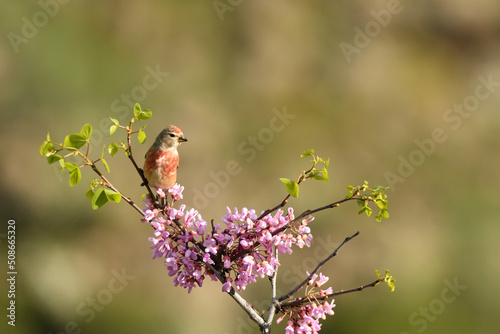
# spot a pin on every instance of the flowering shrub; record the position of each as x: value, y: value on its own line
x: 240, y: 248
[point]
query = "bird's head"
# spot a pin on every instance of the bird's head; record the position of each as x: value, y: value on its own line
x: 170, y: 137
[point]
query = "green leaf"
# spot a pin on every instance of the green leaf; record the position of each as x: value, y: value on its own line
x: 86, y: 131
x: 112, y: 149
x: 382, y: 214
x: 99, y: 199
x: 62, y: 163
x: 89, y: 193
x: 137, y: 109
x: 351, y: 192
x: 113, y: 196
x: 53, y: 158
x: 368, y: 211
x: 291, y: 187
x: 46, y: 149
x: 75, y: 140
x: 75, y: 175
x: 105, y: 163
x: 48, y: 136
x: 113, y: 128
x: 141, y: 136
x: 317, y: 176
x: 391, y: 285
x: 389, y: 280
x: 325, y: 175
x: 70, y: 166
x: 381, y: 204
x: 307, y: 153
x: 144, y: 115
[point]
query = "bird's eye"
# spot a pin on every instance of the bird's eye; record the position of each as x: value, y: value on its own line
x: 171, y: 135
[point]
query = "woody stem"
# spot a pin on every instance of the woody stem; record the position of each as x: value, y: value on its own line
x: 108, y: 184
x: 139, y: 170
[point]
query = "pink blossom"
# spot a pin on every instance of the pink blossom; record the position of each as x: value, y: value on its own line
x: 322, y: 280
x: 211, y: 246
x: 176, y: 192
x: 289, y: 328
x: 207, y: 259
x: 227, y: 262
x: 318, y: 312
x: 313, y: 278
x: 303, y: 229
x: 190, y: 218
x: 264, y: 268
x: 329, y: 307
x: 249, y: 262
x: 149, y: 215
x: 200, y: 225
x: 160, y: 192
x: 226, y: 287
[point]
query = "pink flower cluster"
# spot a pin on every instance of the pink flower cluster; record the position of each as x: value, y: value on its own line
x: 242, y: 247
x: 305, y: 317
x: 249, y: 243
x: 177, y: 237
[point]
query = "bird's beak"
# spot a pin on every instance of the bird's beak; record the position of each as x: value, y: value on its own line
x: 181, y: 139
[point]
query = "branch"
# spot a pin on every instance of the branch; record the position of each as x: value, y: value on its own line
x: 247, y: 307
x: 301, y: 178
x: 336, y: 293
x: 139, y: 170
x: 304, y: 282
x: 328, y: 206
x: 279, y: 206
x: 359, y: 288
x: 125, y: 198
x: 98, y: 172
x: 272, y: 308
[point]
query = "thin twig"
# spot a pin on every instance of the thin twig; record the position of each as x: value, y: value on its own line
x: 279, y: 206
x: 301, y: 178
x: 320, y: 264
x: 110, y: 185
x: 297, y: 302
x: 139, y: 170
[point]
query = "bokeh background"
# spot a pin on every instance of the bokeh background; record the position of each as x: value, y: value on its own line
x: 233, y: 66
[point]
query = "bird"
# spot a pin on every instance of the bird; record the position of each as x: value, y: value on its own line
x: 162, y: 159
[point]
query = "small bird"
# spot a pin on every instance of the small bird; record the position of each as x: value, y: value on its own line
x: 162, y: 159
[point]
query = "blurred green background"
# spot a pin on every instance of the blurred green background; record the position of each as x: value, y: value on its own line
x: 360, y: 81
